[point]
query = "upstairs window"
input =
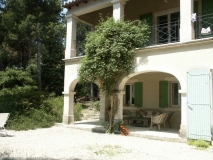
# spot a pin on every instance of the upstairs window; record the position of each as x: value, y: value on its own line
x: 167, y: 26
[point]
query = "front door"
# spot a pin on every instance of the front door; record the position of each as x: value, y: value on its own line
x: 199, y: 104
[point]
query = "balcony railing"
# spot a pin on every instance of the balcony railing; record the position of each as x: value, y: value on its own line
x: 164, y: 32
x: 204, y: 25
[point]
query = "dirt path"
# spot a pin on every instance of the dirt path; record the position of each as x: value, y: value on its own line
x: 68, y: 143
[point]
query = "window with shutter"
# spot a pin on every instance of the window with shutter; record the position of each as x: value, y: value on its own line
x: 163, y: 94
x: 138, y: 94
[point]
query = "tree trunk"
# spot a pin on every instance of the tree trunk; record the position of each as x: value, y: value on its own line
x: 91, y: 91
x: 39, y: 65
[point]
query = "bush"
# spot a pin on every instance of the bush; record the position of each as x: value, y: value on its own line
x: 77, y: 111
x: 49, y: 112
x: 96, y: 104
x: 28, y: 108
x: 32, y: 120
x: 54, y: 107
x: 200, y: 144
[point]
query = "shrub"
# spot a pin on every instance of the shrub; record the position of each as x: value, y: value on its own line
x: 32, y: 120
x: 77, y: 111
x: 54, y: 107
x: 96, y: 104
x: 200, y: 144
x: 49, y: 112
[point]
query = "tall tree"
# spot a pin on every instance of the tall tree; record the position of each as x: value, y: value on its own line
x: 27, y: 24
x: 110, y: 54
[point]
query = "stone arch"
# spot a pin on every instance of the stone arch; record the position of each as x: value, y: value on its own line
x: 75, y: 81
x: 141, y: 69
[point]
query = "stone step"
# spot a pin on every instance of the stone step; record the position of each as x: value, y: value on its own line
x: 95, y: 116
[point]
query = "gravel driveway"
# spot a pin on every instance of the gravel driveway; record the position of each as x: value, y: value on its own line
x: 68, y: 143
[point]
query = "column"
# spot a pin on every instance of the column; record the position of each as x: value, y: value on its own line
x: 119, y: 114
x: 71, y: 37
x: 186, y: 25
x: 118, y: 9
x: 68, y: 114
x: 183, y: 126
x: 103, y: 106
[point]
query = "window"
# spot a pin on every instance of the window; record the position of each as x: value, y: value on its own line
x: 129, y: 96
x: 169, y: 95
x: 175, y: 95
x: 167, y: 26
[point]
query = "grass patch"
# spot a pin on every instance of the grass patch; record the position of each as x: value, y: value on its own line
x: 5, y: 153
x: 199, y: 144
x: 108, y: 150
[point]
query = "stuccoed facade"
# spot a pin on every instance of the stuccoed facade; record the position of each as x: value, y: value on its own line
x: 176, y: 47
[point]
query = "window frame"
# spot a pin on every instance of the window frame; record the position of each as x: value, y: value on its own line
x: 161, y: 13
x: 131, y: 94
x: 171, y: 96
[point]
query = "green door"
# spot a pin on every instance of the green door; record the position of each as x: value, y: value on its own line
x: 163, y: 94
x: 199, y: 104
x: 138, y: 94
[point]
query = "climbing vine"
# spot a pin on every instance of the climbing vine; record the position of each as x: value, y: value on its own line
x: 109, y: 53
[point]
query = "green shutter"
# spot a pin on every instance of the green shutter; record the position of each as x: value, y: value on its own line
x: 148, y: 17
x: 163, y: 93
x: 196, y: 25
x: 138, y: 94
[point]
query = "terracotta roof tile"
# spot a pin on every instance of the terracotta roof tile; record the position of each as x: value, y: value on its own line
x: 74, y: 3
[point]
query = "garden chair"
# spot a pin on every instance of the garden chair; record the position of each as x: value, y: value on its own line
x: 3, y: 119
x: 127, y: 115
x: 167, y: 119
x: 158, y: 120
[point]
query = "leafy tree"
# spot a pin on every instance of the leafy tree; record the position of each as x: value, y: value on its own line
x: 30, y: 30
x: 110, y: 53
x: 17, y: 91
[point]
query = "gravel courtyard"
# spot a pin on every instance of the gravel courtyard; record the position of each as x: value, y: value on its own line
x: 74, y: 144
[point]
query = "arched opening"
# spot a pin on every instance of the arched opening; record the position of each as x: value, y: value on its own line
x: 153, y: 91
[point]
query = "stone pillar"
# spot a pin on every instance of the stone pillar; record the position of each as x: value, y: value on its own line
x: 183, y: 126
x: 186, y: 25
x: 71, y: 37
x: 103, y: 106
x: 118, y: 9
x: 119, y: 114
x: 68, y: 114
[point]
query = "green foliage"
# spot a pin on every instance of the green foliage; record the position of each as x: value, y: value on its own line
x: 28, y: 108
x: 22, y: 27
x: 84, y: 90
x: 18, y: 92
x: 34, y: 119
x: 110, y: 51
x: 48, y: 112
x: 53, y: 106
x: 96, y: 104
x: 77, y: 111
x: 200, y: 144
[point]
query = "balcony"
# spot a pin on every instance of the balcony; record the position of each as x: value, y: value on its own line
x: 164, y: 32
x: 203, y: 25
